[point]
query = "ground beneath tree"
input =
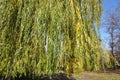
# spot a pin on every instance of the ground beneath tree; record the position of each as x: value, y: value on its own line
x: 108, y: 75
x: 101, y: 75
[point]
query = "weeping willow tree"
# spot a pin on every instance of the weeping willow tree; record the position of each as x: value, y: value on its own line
x: 49, y: 36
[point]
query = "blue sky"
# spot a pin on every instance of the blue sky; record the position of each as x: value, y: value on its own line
x: 108, y: 5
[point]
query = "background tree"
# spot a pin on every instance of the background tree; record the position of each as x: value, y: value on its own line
x: 112, y: 25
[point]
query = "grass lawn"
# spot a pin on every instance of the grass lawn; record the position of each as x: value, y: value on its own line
x: 98, y: 76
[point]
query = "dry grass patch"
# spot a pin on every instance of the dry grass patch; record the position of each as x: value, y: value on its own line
x: 98, y: 76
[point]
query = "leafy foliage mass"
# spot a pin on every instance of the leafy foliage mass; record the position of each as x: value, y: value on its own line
x: 49, y: 36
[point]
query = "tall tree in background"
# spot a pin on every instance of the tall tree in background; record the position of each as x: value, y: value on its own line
x: 112, y: 25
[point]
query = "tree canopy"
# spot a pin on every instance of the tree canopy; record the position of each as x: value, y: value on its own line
x: 49, y: 36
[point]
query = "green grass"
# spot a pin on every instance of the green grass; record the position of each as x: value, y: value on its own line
x: 98, y: 76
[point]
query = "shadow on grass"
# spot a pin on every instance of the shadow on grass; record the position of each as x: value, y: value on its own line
x: 59, y: 76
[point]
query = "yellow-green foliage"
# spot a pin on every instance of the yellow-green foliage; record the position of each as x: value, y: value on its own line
x: 49, y: 36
